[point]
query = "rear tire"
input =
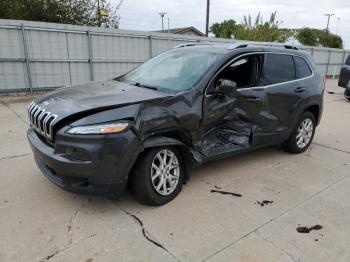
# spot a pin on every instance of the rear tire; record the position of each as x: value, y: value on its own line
x: 158, y: 176
x: 302, y: 134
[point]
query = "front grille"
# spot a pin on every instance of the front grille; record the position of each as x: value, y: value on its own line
x: 41, y: 120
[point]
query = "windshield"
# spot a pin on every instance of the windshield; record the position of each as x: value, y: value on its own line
x: 172, y: 71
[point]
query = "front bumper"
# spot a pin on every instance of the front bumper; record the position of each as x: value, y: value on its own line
x: 86, y: 164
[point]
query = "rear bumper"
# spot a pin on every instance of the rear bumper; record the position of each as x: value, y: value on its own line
x: 86, y: 165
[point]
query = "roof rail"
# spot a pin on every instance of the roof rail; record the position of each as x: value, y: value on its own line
x: 192, y: 44
x: 246, y: 44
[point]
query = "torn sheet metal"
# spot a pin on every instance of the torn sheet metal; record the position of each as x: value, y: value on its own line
x: 223, y: 140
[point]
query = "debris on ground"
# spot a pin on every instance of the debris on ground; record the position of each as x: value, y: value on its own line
x: 264, y: 202
x: 334, y: 93
x: 218, y: 187
x: 308, y: 229
x: 225, y: 193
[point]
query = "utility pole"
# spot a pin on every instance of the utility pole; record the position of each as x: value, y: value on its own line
x: 336, y: 30
x: 207, y: 20
x: 329, y: 16
x: 98, y: 13
x: 162, y: 14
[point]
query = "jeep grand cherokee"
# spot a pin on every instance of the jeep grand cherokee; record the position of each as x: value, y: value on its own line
x: 189, y: 105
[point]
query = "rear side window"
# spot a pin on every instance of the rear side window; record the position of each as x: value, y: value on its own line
x: 348, y: 61
x: 278, y: 69
x: 302, y: 69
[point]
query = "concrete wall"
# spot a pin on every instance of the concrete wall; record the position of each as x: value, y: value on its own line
x: 37, y: 56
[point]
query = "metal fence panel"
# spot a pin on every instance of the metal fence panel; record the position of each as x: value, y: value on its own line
x: 37, y: 55
x: 111, y: 70
x: 13, y: 75
x: 77, y: 46
x: 11, y: 44
x: 80, y: 73
x: 49, y: 74
x: 46, y: 45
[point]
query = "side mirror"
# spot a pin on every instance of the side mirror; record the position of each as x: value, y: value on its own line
x: 225, y: 86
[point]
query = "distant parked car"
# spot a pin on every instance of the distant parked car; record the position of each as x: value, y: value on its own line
x: 344, y: 78
x: 184, y: 107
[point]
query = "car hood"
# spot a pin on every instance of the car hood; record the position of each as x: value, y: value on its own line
x: 96, y: 95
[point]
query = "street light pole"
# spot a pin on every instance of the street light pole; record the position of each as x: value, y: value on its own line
x: 207, y: 20
x: 329, y: 16
x: 162, y: 14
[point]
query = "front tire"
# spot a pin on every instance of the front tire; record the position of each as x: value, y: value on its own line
x: 158, y: 176
x: 302, y: 134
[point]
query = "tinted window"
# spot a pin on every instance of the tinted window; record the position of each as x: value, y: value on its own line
x: 348, y: 61
x: 278, y: 69
x: 302, y: 68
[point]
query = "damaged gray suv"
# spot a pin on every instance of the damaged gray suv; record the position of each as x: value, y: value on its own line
x: 182, y: 108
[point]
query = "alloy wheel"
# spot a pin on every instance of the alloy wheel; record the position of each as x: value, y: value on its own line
x: 165, y: 172
x: 304, y: 133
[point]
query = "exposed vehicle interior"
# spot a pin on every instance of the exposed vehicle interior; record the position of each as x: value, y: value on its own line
x: 245, y: 71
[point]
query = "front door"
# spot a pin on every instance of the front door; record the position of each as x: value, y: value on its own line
x: 229, y: 120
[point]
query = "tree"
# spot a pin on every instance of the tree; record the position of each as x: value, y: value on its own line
x: 265, y: 31
x: 259, y: 30
x: 316, y: 37
x: 76, y: 12
x: 226, y: 29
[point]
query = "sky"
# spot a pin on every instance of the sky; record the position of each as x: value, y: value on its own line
x: 143, y: 14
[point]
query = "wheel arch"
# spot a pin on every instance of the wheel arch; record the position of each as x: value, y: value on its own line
x: 175, y: 139
x: 315, y: 110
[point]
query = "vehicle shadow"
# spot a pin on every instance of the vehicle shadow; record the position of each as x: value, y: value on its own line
x: 209, y: 170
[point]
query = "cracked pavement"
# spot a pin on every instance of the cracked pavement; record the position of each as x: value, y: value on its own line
x: 40, y: 222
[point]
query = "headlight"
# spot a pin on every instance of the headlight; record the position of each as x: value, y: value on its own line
x: 98, y: 129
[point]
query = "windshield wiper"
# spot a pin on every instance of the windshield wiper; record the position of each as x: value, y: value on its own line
x: 145, y: 86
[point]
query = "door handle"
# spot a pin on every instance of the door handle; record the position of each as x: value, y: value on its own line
x: 299, y: 89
